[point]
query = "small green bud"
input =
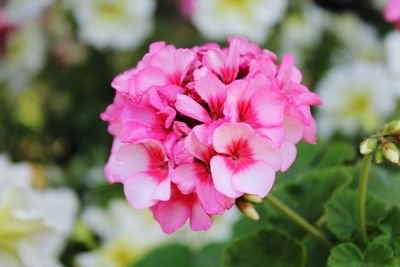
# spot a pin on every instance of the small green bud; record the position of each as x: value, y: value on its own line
x: 252, y: 198
x: 390, y: 152
x: 368, y: 146
x: 379, y: 157
x: 247, y: 209
x: 392, y: 127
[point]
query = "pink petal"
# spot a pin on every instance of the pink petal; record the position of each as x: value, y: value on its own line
x: 288, y: 152
x: 195, y: 147
x: 276, y: 134
x: 147, y: 78
x: 199, y: 219
x: 111, y: 167
x: 185, y: 177
x: 263, y: 149
x: 139, y: 191
x: 294, y: 129
x: 163, y: 190
x: 212, y: 201
x: 257, y: 179
x: 212, y: 91
x: 228, y: 132
x: 187, y: 106
x: 268, y: 107
x: 131, y: 159
x: 310, y: 132
x: 392, y: 10
x: 181, y: 154
x: 171, y: 215
x: 222, y: 177
x: 215, y: 59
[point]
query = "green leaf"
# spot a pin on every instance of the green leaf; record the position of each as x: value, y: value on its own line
x: 336, y: 154
x: 310, y: 190
x: 349, y: 255
x: 264, y: 248
x: 381, y: 182
x: 173, y: 255
x: 210, y: 255
x: 391, y: 229
x: 306, y: 155
x: 341, y: 213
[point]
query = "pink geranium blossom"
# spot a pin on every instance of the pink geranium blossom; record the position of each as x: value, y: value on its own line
x: 195, y: 129
x: 392, y: 12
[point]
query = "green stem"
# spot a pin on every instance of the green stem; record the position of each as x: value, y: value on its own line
x: 362, y: 193
x: 279, y: 205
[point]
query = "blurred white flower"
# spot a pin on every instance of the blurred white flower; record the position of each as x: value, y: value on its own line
x: 219, y: 19
x: 356, y: 95
x: 302, y: 30
x: 127, y: 234
x: 21, y: 11
x: 358, y: 39
x: 118, y: 24
x: 392, y: 45
x: 33, y: 223
x: 24, y: 55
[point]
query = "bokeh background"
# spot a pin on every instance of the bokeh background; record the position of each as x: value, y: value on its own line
x: 57, y: 61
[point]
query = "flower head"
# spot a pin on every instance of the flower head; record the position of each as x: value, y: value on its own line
x: 195, y: 129
x: 392, y: 12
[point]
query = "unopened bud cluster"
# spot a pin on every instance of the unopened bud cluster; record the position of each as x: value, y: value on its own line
x: 384, y: 145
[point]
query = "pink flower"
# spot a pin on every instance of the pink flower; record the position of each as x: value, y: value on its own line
x: 195, y: 129
x: 5, y: 29
x: 144, y: 170
x: 174, y: 213
x: 196, y: 176
x: 392, y: 12
x: 247, y: 163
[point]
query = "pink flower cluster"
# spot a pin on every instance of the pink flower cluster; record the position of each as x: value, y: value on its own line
x: 5, y: 29
x: 194, y: 129
x: 392, y: 12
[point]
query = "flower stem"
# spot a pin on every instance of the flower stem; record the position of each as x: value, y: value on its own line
x: 279, y: 205
x: 362, y: 193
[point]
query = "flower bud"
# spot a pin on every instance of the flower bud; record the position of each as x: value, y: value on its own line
x: 390, y: 152
x: 247, y: 209
x: 252, y: 198
x: 368, y: 146
x: 379, y: 157
x: 392, y: 127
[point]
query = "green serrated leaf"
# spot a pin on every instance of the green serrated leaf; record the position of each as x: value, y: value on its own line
x: 264, y: 248
x: 310, y: 190
x: 349, y: 255
x: 336, y: 154
x: 173, y: 255
x: 341, y: 213
x: 391, y: 229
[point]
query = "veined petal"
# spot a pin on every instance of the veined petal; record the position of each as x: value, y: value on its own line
x: 197, y: 148
x: 199, y: 219
x: 139, y: 191
x: 262, y: 149
x: 185, y: 177
x: 225, y: 134
x: 212, y: 91
x: 257, y: 179
x: 212, y: 201
x: 268, y: 108
x: 294, y: 129
x: 222, y: 177
x: 187, y: 106
x: 288, y: 152
x: 171, y: 214
x: 131, y: 159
